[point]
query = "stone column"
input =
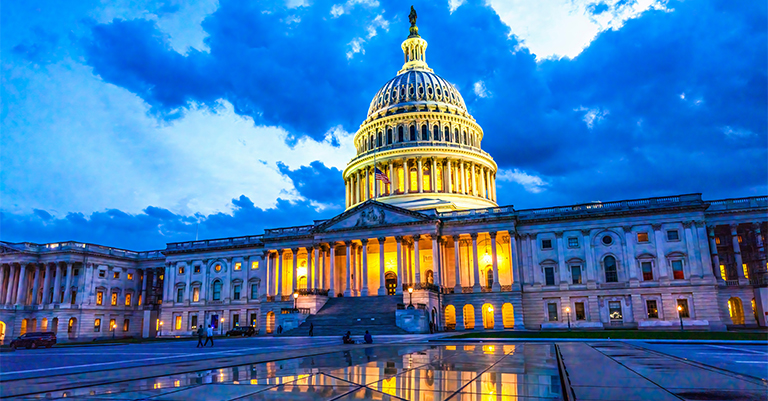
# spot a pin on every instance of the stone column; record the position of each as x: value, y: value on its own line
x: 433, y: 174
x: 436, y: 262
x: 457, y: 264
x: 46, y: 284
x: 332, y: 272
x: 2, y: 281
x: 475, y: 264
x: 316, y: 266
x: 12, y: 277
x: 737, y: 252
x: 488, y: 183
x: 417, y: 260
x: 713, y: 252
x: 419, y: 175
x: 68, y: 285
x: 188, y: 281
x: 21, y: 288
x: 391, y: 187
x: 295, y: 267
x: 493, y: 186
x: 364, y: 276
x: 474, y: 179
x: 406, y: 176
x: 463, y: 180
x: 348, y: 290
x: 495, y: 287
x: 514, y: 264
x: 279, y: 273
x: 703, y: 249
x: 690, y: 248
x: 399, y: 289
x: 760, y: 246
x: 448, y: 171
x: 661, y: 256
x: 35, y: 284
x: 382, y: 283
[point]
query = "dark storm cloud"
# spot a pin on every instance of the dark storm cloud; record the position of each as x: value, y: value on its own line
x: 317, y: 182
x: 156, y: 226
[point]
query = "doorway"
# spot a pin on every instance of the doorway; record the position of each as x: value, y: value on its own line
x: 390, y: 280
x: 614, y: 313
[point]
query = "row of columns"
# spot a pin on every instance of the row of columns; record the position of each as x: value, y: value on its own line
x: 457, y: 177
x: 734, y: 233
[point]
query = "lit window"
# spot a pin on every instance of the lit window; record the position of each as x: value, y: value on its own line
x: 722, y: 272
x: 580, y: 311
x: 139, y: 300
x: 642, y: 237
x: 414, y: 180
x: 717, y: 240
x: 573, y: 242
x: 739, y: 239
x: 217, y: 291
x: 96, y: 325
x: 99, y: 297
x: 677, y: 270
x: 193, y: 322
x: 552, y: 312
x: 549, y: 275
x: 254, y: 265
x: 236, y: 291
x: 238, y: 266
x: 652, y: 308
x: 196, y: 294
x: 576, y: 274
x: 647, y: 268
x: 179, y: 295
x: 126, y: 324
x: 746, y: 270
x: 217, y: 268
x: 128, y: 299
x: 196, y: 269
x: 546, y: 244
x: 102, y: 273
x: 114, y: 299
x: 673, y: 235
x: 177, y: 324
x: 130, y: 276
x: 254, y: 291
x: 112, y: 325
x: 683, y: 308
x: 426, y: 179
x: 181, y: 270
x: 116, y: 275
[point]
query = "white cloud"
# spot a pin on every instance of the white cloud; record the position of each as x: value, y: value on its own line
x: 337, y: 10
x: 481, y: 90
x: 454, y: 4
x: 736, y: 133
x: 531, y: 183
x: 356, y: 46
x: 563, y: 28
x: 593, y: 115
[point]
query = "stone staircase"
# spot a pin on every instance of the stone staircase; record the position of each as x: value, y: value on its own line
x: 356, y: 314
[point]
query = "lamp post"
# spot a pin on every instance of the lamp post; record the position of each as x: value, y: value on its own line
x: 410, y: 297
x: 221, y: 327
x: 113, y: 330
x: 568, y: 313
x: 490, y: 312
x: 295, y: 300
x: 161, y: 328
x: 680, y: 315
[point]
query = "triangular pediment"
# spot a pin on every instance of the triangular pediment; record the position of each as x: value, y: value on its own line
x: 4, y: 248
x: 372, y: 214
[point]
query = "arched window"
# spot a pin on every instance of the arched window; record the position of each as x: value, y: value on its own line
x: 456, y: 135
x: 413, y: 133
x: 736, y: 310
x: 436, y: 133
x: 424, y: 133
x: 400, y: 134
x: 488, y: 320
x: 465, y: 138
x: 450, y: 317
x: 430, y: 277
x: 389, y: 136
x: 611, y: 274
x: 508, y: 316
x: 489, y: 278
x: 447, y: 133
x: 469, y: 317
x: 270, y: 322
x: 371, y: 142
x: 54, y: 325
x: 217, y: 290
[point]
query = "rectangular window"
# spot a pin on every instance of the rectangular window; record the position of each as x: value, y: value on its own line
x: 235, y: 320
x: 576, y: 274
x: 114, y: 299
x: 73, y: 297
x: 673, y: 235
x: 677, y: 270
x: 682, y: 308
x: 723, y: 274
x: 180, y: 295
x: 196, y: 269
x: 126, y: 324
x: 116, y: 275
x: 546, y: 244
x: 196, y: 294
x: 76, y: 272
x: 254, y: 318
x: 614, y: 310
x: 746, y: 270
x: 102, y: 273
x: 238, y: 266
x: 193, y: 321
x: 647, y: 270
x: 236, y: 292
x: 254, y: 265
x: 573, y: 242
x: 96, y: 325
x: 130, y: 276
x: 739, y: 239
x: 99, y: 297
x: 642, y: 237
x: 549, y: 275
x: 580, y: 312
x: 717, y: 240
x: 128, y: 299
x: 181, y: 270
x: 177, y: 323
x: 139, y: 300
x: 254, y: 291
x: 61, y: 298
x: 653, y: 310
x: 552, y: 312
x: 112, y: 325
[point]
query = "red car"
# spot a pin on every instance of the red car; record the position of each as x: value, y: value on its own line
x: 35, y: 339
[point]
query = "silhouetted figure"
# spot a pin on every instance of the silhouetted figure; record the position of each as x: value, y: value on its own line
x: 347, y: 339
x: 311, y: 330
x: 368, y: 339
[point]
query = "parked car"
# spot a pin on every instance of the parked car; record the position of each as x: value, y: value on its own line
x: 243, y: 331
x: 35, y: 339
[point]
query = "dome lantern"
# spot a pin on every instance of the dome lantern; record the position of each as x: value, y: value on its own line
x: 414, y: 48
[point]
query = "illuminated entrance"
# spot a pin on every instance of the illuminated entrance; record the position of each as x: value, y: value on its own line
x: 390, y: 280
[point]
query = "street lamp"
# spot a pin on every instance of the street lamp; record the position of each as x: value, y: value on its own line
x: 161, y: 328
x: 410, y: 297
x: 295, y: 300
x: 568, y: 313
x: 680, y: 315
x: 221, y: 328
x: 113, y: 330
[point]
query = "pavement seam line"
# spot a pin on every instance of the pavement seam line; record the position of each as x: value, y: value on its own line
x: 478, y: 375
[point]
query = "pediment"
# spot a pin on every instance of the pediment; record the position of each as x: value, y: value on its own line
x: 372, y: 214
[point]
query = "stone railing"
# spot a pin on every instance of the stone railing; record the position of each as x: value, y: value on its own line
x: 85, y: 247
x: 738, y: 203
x: 467, y: 290
x: 288, y: 231
x: 448, y: 290
x: 270, y: 298
x: 759, y: 281
x: 486, y: 289
x: 215, y: 243
x: 312, y: 291
x: 426, y: 286
x: 597, y: 207
x: 288, y: 311
x: 285, y: 298
x: 506, y: 288
x: 490, y: 211
x: 732, y: 283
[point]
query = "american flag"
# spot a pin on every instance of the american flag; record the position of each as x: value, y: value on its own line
x: 381, y: 176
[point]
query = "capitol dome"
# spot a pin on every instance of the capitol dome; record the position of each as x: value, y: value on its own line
x: 421, y: 142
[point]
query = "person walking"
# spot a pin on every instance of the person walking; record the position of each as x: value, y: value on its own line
x: 311, y: 329
x: 209, y: 335
x: 368, y: 338
x: 279, y: 329
x: 200, y: 335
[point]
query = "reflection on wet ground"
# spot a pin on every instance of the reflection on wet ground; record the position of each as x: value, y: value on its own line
x: 388, y: 372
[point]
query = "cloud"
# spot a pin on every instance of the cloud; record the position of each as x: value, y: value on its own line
x: 531, y: 183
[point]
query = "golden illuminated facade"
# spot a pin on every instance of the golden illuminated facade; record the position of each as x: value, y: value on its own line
x: 420, y: 135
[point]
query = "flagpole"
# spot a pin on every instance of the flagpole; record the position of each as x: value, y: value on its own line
x: 375, y: 180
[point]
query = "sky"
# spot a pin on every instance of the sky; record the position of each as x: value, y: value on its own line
x: 137, y: 123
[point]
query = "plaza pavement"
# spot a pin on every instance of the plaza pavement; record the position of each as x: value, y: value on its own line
x: 397, y: 367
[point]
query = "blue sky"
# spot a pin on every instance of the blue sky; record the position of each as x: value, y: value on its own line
x: 137, y: 123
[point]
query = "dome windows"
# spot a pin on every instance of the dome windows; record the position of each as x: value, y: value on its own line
x: 410, y: 90
x: 421, y: 91
x: 429, y: 90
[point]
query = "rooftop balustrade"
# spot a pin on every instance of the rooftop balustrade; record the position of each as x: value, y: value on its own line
x: 738, y: 203
x: 215, y: 243
x: 84, y: 247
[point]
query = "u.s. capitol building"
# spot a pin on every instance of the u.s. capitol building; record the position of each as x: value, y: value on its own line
x: 436, y: 229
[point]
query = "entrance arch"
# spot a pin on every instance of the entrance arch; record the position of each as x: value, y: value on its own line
x: 55, y: 325
x: 72, y: 328
x: 508, y: 315
x: 450, y: 317
x: 390, y: 281
x: 736, y: 309
x: 44, y: 324
x: 469, y: 317
x: 2, y: 332
x: 488, y: 321
x: 270, y: 322
x: 24, y: 325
